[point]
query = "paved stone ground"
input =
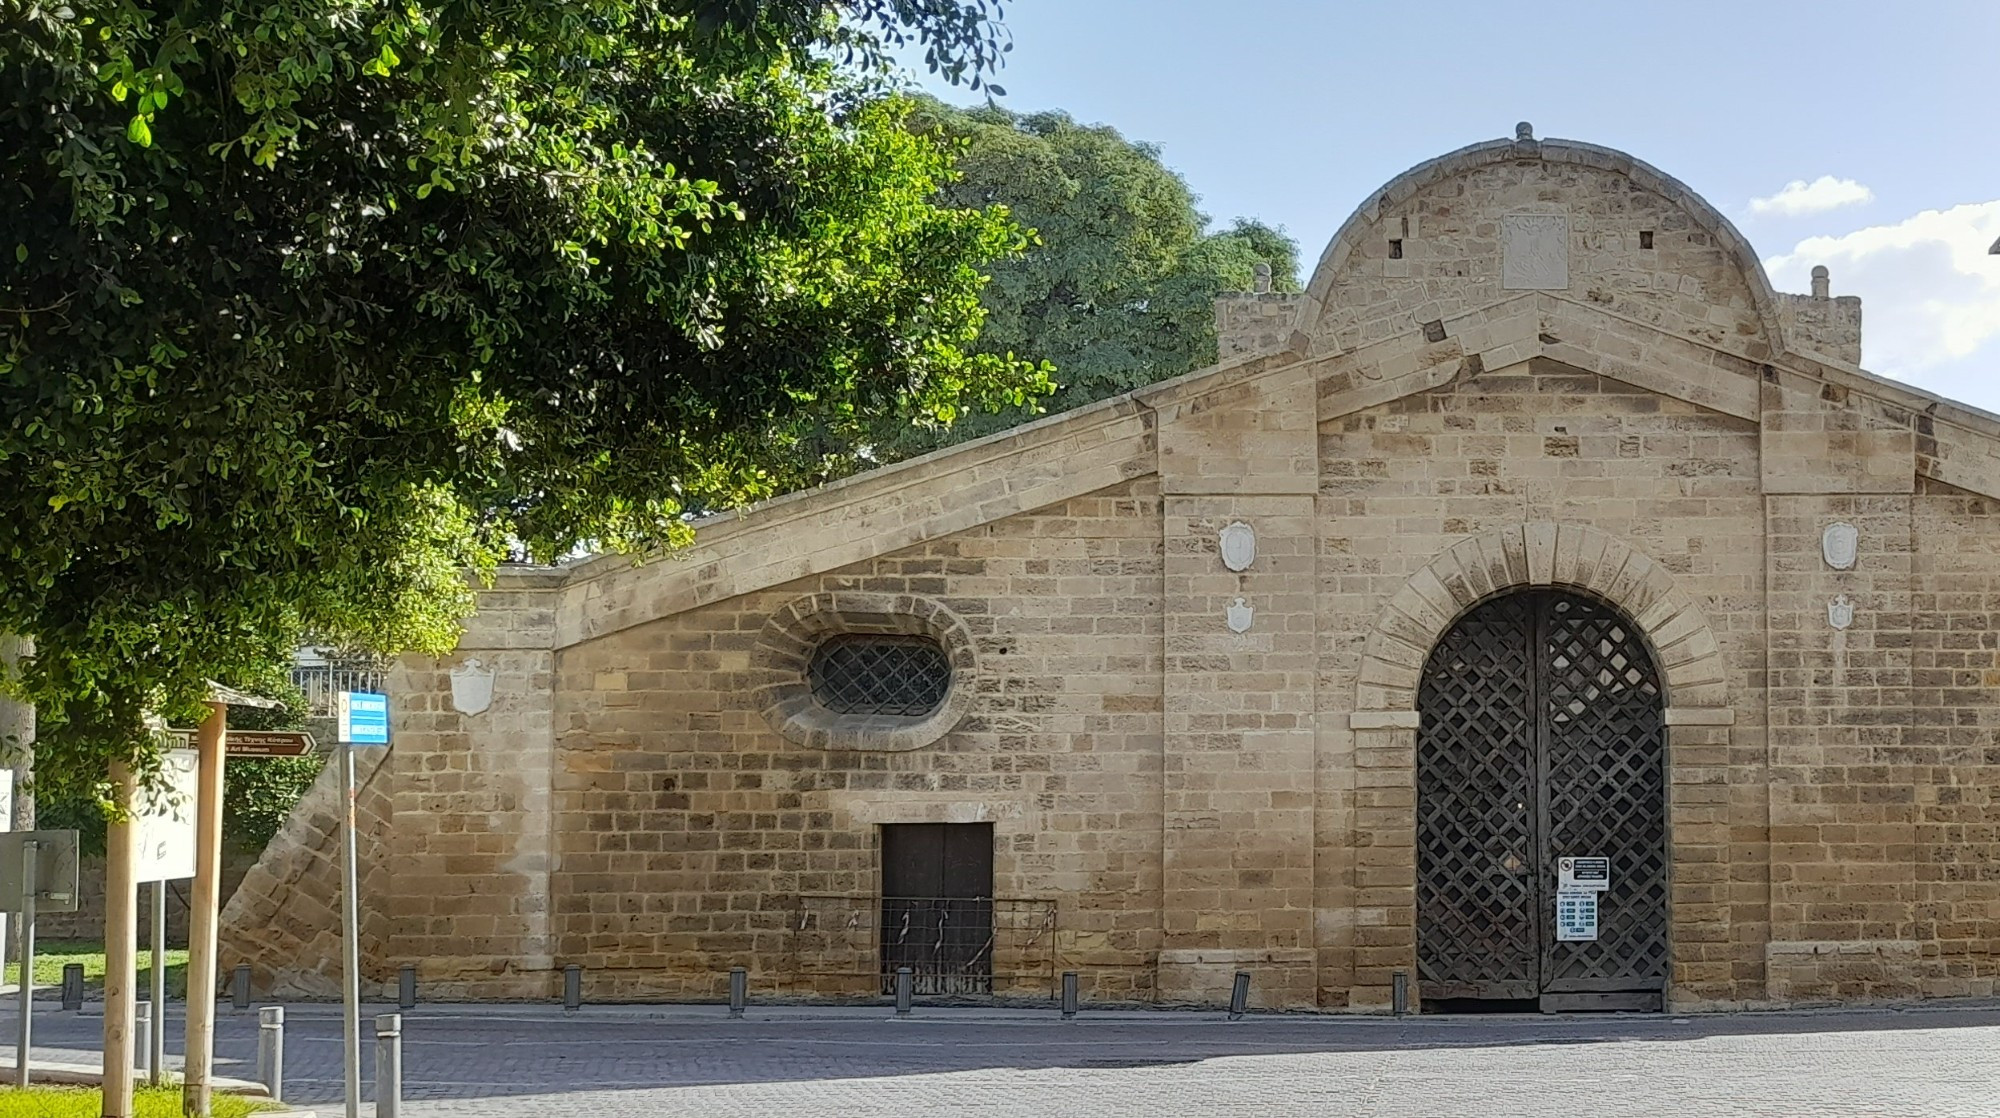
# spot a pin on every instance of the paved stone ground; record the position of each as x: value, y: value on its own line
x: 610, y: 1062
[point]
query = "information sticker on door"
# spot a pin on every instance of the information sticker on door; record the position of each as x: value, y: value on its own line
x: 1576, y: 915
x: 1583, y: 873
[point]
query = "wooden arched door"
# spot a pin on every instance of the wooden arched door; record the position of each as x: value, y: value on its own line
x: 1541, y: 737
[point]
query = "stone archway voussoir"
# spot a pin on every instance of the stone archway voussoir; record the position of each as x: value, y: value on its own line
x: 1540, y: 553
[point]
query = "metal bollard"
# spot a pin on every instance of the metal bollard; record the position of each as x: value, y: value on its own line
x: 1239, y: 996
x: 904, y: 983
x: 72, y: 986
x: 1399, y: 993
x: 142, y: 1040
x: 572, y: 988
x: 388, y: 1064
x: 1069, y: 994
x: 239, y: 986
x: 406, y: 986
x: 739, y: 990
x: 271, y: 1050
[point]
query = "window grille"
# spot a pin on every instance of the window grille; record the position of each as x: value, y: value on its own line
x: 865, y: 673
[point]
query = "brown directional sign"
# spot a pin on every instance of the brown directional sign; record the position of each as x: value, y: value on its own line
x: 257, y: 743
x: 267, y: 743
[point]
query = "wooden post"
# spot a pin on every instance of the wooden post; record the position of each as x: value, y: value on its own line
x: 204, y: 905
x: 121, y: 945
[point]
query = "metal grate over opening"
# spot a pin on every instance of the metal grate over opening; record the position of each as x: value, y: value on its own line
x: 866, y: 673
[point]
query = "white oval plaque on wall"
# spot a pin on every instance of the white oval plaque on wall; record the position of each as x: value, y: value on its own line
x: 1239, y: 546
x: 1839, y: 545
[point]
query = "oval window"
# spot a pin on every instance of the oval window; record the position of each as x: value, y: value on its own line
x: 880, y: 674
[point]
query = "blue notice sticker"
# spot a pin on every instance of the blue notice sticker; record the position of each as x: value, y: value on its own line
x: 363, y: 718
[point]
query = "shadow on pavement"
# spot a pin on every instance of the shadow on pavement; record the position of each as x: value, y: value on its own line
x: 470, y: 1057
x: 474, y: 1052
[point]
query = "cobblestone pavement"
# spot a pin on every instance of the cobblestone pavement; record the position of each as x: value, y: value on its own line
x: 610, y: 1062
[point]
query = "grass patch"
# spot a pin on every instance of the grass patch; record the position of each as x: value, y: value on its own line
x: 51, y: 956
x: 88, y: 1102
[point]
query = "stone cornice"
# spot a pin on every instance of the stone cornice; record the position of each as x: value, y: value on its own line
x: 834, y: 526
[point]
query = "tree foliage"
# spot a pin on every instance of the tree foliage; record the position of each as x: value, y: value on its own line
x: 963, y: 40
x: 307, y: 307
x: 1118, y: 289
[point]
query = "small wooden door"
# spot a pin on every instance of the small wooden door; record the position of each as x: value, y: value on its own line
x: 937, y: 906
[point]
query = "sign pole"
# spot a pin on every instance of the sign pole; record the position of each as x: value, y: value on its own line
x: 360, y: 718
x: 121, y: 945
x: 28, y: 851
x: 206, y: 899
x: 156, y: 1064
x: 350, y: 921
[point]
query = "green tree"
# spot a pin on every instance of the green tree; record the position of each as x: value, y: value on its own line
x: 1118, y: 289
x: 307, y: 307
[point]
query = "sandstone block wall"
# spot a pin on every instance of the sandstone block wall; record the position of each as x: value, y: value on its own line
x: 1824, y: 324
x: 284, y: 917
x: 1954, y: 736
x: 1538, y: 443
x: 692, y: 838
x: 1432, y: 250
x: 1248, y: 323
x: 1525, y: 364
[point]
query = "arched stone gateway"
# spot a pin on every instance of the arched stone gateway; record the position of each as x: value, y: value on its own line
x: 1541, y: 748
x: 1533, y: 675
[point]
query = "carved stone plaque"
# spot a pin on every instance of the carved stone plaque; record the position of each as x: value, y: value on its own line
x: 1534, y: 252
x: 1840, y: 612
x: 1838, y: 545
x: 1239, y: 615
x: 471, y: 688
x: 1239, y: 546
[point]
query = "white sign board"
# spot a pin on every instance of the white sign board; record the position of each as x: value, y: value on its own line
x: 165, y: 820
x: 1576, y: 915
x: 361, y: 718
x: 1583, y: 873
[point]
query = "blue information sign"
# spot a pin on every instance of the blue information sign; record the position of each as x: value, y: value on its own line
x: 363, y: 718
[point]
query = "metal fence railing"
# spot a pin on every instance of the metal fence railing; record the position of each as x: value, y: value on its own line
x: 969, y: 946
x: 321, y: 682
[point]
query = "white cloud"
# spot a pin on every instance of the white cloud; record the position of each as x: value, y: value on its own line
x: 1930, y: 296
x: 1824, y: 193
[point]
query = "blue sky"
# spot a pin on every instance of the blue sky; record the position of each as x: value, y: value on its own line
x: 1885, y: 114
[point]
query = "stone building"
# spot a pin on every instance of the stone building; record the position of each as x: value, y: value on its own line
x: 1539, y: 527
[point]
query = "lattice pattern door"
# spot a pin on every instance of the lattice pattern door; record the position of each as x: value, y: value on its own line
x: 1542, y: 736
x: 1478, y: 924
x: 1604, y: 764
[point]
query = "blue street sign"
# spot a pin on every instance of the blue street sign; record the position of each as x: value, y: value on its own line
x: 363, y: 718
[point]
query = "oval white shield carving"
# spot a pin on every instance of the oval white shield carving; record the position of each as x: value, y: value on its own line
x: 1839, y: 545
x: 471, y: 687
x: 1239, y: 546
x: 1239, y: 617
x: 1840, y: 612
